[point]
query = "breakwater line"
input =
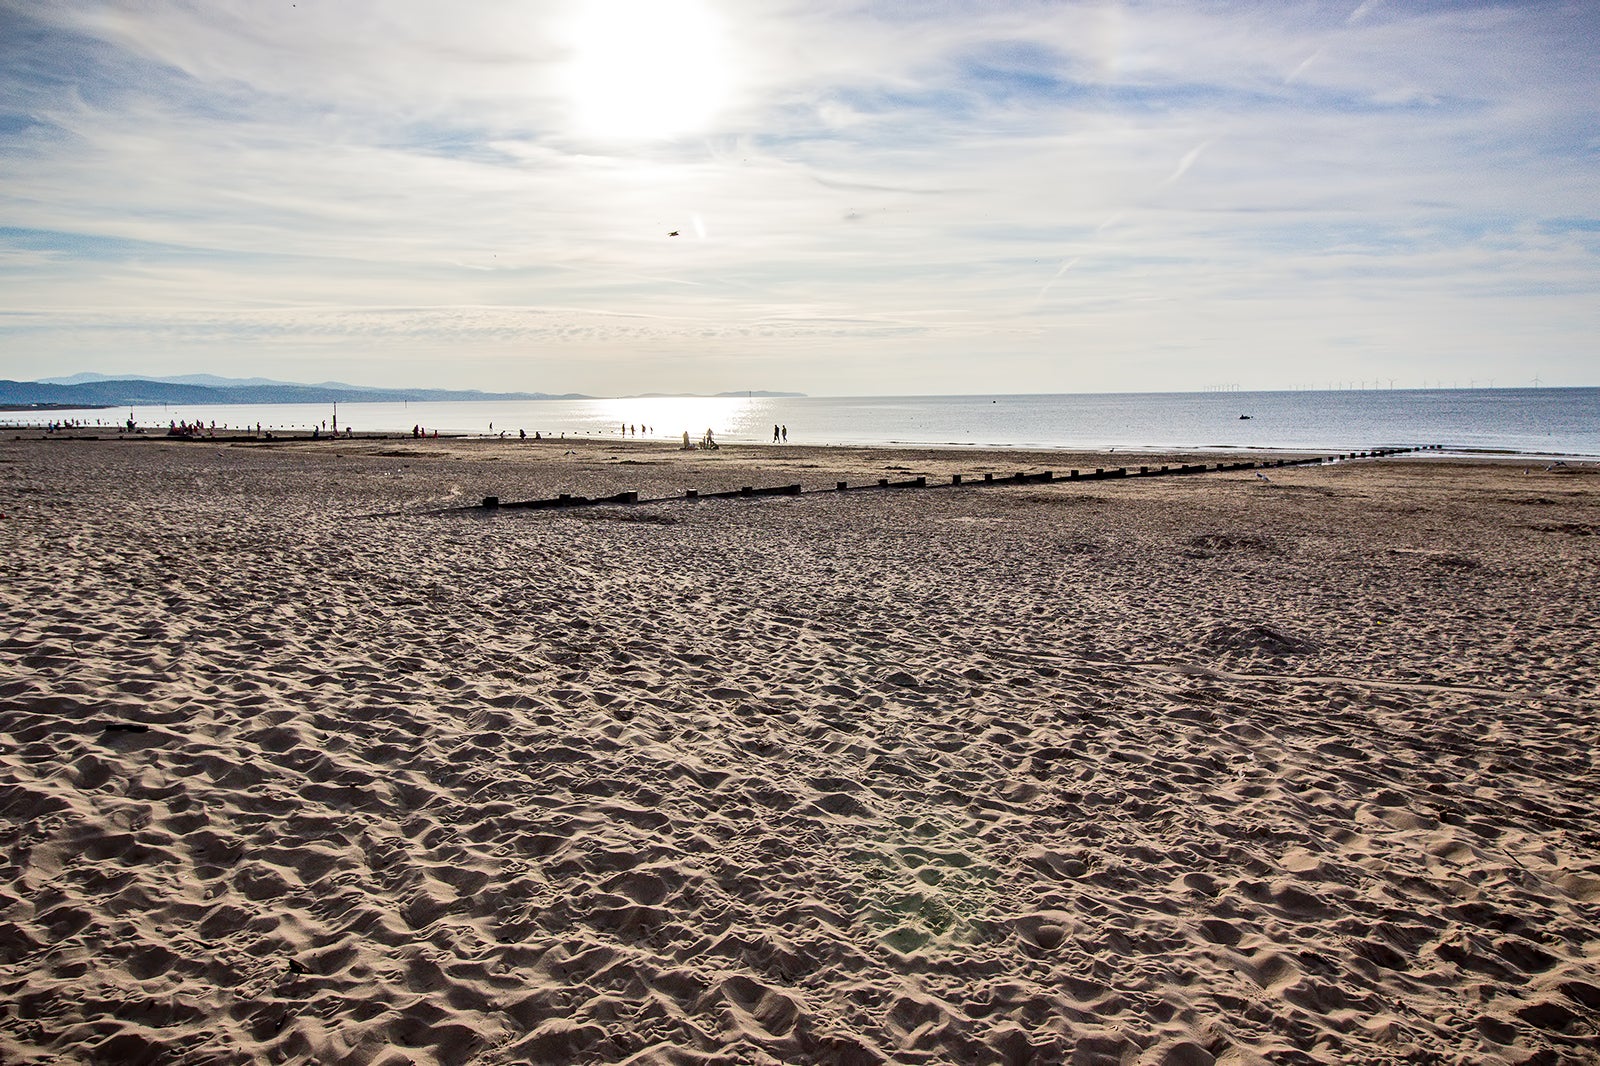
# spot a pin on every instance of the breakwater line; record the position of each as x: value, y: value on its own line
x: 1044, y: 477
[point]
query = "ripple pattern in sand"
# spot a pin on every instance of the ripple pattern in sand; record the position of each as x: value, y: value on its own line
x: 890, y: 779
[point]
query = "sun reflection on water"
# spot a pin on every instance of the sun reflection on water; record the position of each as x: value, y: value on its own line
x: 669, y: 417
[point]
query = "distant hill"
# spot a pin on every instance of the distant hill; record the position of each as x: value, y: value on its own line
x: 212, y: 380
x: 94, y: 390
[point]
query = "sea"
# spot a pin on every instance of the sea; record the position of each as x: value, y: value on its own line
x: 1526, y: 422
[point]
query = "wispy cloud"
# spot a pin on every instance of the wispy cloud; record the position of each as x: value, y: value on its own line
x: 884, y: 198
x: 1361, y: 11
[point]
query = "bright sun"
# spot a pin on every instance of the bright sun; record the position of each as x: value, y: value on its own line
x: 646, y: 69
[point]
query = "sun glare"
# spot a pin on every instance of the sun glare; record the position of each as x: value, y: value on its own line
x: 644, y: 69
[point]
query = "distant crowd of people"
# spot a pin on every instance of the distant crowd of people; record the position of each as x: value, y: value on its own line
x: 707, y: 441
x: 197, y: 428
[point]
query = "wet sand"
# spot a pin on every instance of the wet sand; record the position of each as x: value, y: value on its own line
x: 1182, y: 771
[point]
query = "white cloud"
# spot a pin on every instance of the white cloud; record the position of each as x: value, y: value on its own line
x: 1053, y: 191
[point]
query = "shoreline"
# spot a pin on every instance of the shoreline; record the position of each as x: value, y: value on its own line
x: 1547, y: 422
x: 1178, y: 772
x: 1151, y: 454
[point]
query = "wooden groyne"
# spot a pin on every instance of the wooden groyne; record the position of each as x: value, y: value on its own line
x: 1043, y: 477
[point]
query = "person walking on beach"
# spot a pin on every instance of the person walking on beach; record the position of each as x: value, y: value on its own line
x: 786, y: 434
x: 774, y: 433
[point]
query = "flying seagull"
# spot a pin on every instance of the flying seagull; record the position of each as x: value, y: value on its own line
x: 674, y: 233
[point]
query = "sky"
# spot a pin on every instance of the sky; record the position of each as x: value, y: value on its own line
x: 836, y: 197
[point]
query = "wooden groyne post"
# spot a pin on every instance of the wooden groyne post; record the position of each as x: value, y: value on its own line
x: 1021, y: 477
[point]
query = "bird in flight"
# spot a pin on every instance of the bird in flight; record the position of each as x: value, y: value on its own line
x: 674, y: 233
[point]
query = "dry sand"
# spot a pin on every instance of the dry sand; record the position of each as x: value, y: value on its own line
x: 1172, y: 772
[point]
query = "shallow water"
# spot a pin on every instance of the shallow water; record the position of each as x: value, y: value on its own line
x: 1523, y: 421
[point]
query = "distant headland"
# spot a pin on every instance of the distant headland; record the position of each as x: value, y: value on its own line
x: 103, y: 390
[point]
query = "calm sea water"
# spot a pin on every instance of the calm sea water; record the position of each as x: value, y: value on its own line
x: 1557, y: 422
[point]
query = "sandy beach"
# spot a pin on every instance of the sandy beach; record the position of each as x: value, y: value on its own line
x: 1159, y: 772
